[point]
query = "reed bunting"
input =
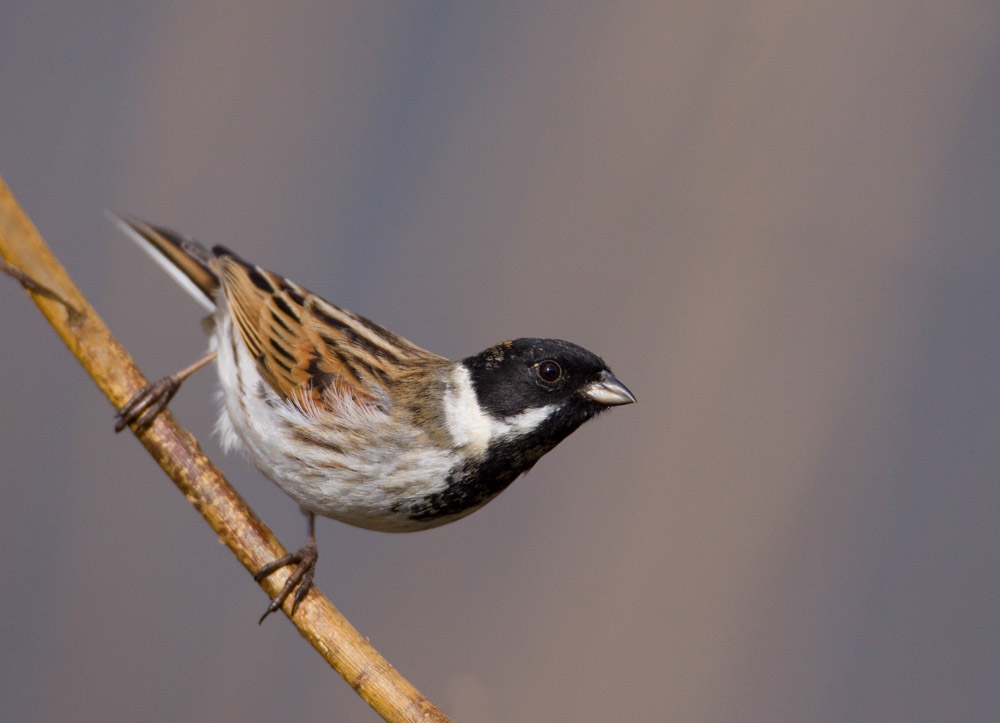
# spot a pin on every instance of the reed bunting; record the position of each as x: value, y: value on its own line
x: 355, y: 422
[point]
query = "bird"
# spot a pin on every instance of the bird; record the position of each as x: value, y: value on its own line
x: 351, y: 420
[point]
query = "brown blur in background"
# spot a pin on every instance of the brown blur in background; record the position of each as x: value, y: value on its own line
x: 779, y: 223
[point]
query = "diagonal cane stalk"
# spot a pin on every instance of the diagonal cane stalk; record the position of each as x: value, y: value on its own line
x: 178, y: 453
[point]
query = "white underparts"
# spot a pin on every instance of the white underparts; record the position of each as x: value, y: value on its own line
x: 340, y: 460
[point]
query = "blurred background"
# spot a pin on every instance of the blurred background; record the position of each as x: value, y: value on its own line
x: 780, y: 225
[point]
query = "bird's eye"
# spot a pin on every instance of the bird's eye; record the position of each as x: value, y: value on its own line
x: 549, y: 371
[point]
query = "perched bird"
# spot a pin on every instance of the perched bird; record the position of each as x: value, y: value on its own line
x: 356, y: 423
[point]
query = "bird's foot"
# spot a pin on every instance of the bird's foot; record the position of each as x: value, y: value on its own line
x: 153, y: 398
x: 300, y: 580
x: 147, y: 403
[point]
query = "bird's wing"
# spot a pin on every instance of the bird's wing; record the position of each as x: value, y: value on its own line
x: 305, y: 346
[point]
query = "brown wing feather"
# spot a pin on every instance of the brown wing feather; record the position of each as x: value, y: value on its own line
x: 304, y: 345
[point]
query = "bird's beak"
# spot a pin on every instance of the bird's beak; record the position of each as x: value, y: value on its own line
x: 607, y: 390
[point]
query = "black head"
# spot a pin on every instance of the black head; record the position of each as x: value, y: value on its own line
x: 515, y: 376
x: 509, y: 381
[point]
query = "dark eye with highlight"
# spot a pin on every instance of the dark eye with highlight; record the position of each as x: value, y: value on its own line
x: 549, y: 371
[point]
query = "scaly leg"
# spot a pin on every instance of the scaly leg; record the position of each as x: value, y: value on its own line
x: 153, y: 398
x: 305, y: 559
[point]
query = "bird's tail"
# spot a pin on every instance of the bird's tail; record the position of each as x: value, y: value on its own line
x: 188, y: 262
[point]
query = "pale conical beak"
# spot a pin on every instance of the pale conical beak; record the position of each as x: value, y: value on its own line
x: 607, y: 390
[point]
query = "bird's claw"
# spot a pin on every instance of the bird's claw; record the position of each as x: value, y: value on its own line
x: 147, y: 403
x: 301, y: 580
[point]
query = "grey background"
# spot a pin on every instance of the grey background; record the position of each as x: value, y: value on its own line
x: 778, y: 222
